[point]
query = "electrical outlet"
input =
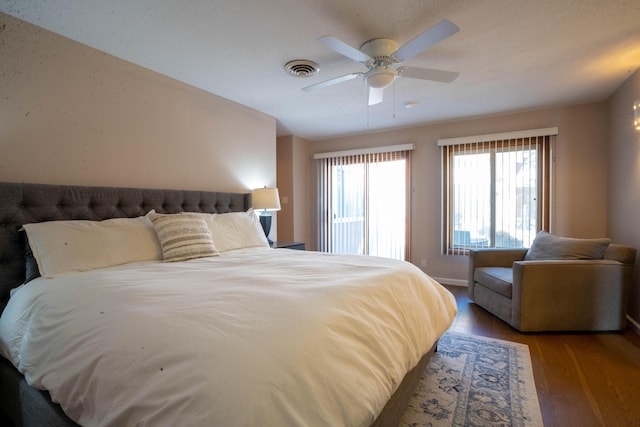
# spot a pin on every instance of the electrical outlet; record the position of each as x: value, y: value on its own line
x: 423, y: 263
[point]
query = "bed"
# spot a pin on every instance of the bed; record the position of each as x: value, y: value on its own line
x: 240, y: 334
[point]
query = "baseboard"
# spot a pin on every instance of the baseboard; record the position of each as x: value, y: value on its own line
x: 453, y: 282
x: 635, y: 326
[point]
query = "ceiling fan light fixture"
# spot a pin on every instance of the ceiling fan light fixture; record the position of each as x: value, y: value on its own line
x: 380, y: 78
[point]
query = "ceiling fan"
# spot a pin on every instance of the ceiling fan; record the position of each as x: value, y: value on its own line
x: 380, y: 56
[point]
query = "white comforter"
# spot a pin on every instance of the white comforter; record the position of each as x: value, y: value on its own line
x: 253, y: 337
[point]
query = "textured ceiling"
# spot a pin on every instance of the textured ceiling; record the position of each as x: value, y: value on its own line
x: 512, y: 55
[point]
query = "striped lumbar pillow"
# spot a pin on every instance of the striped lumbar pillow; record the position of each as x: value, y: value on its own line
x: 183, y: 236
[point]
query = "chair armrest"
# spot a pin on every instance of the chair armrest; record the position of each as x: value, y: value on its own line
x: 495, y: 257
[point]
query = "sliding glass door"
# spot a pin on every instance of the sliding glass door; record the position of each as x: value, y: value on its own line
x: 364, y: 205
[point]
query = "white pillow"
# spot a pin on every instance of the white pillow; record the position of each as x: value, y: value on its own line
x: 183, y: 236
x: 62, y: 247
x: 236, y: 230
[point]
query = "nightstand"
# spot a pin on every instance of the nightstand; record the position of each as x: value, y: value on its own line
x: 288, y: 245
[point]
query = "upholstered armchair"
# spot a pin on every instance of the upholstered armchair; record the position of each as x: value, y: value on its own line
x: 559, y: 284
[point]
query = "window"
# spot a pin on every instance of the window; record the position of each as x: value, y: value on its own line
x: 364, y: 202
x: 496, y: 189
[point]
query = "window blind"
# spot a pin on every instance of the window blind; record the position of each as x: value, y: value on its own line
x: 363, y: 201
x: 496, y: 189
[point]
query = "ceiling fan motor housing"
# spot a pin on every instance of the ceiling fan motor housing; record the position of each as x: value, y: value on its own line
x: 379, y: 49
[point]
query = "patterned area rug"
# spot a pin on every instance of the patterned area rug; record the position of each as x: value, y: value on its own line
x: 476, y: 381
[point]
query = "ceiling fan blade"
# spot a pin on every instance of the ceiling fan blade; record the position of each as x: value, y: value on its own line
x: 433, y: 35
x: 376, y: 95
x: 443, y: 76
x: 343, y: 49
x: 331, y: 82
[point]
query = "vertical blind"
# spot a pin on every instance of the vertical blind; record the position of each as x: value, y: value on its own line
x: 496, y: 189
x: 364, y: 201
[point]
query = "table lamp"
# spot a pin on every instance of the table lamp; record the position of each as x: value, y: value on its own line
x: 265, y: 200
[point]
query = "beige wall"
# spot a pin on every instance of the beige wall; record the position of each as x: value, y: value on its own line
x: 293, y: 184
x: 623, y: 223
x: 286, y: 180
x: 70, y: 114
x: 580, y: 167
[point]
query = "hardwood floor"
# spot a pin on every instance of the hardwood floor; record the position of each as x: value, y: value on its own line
x: 582, y: 379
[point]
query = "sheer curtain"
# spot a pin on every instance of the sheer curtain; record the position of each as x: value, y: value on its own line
x: 364, y: 202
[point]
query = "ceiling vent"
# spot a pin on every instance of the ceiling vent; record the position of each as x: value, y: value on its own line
x: 302, y: 68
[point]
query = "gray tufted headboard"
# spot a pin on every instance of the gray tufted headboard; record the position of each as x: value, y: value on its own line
x: 26, y: 203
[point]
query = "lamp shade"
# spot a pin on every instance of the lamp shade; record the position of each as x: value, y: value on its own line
x: 265, y: 199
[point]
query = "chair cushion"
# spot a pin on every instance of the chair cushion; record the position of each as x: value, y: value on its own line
x: 498, y: 279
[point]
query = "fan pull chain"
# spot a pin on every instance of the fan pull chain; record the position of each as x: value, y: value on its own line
x: 394, y: 98
x: 368, y: 109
